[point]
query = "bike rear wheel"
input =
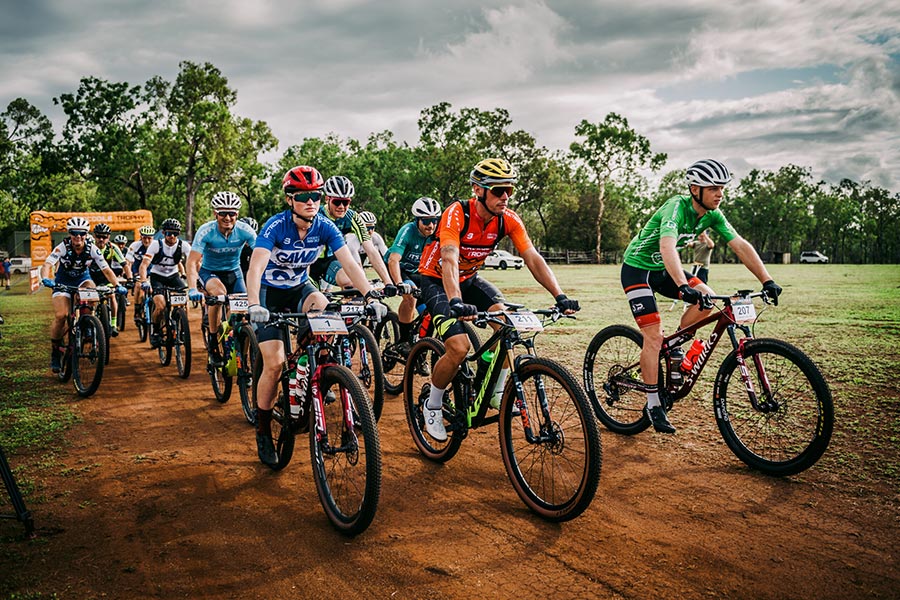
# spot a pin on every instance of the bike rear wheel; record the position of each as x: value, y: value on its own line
x: 283, y: 434
x: 182, y: 339
x: 557, y: 473
x: 416, y: 388
x: 369, y: 371
x: 393, y: 363
x: 791, y: 429
x: 102, y: 314
x: 346, y: 463
x: 121, y: 311
x: 221, y: 381
x: 613, y: 357
x: 248, y: 353
x: 164, y: 351
x: 88, y: 358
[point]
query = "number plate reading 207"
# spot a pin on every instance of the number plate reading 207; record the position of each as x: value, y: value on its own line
x: 525, y: 321
x: 744, y: 311
x: 327, y: 323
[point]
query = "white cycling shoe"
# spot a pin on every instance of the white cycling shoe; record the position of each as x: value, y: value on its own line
x: 434, y: 423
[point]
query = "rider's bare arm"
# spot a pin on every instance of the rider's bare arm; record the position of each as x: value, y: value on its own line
x: 748, y: 256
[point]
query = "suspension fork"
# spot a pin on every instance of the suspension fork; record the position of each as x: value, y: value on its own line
x: 521, y: 404
x: 769, y: 403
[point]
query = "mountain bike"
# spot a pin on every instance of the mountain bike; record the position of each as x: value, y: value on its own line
x: 359, y: 349
x: 175, y: 332
x: 232, y: 351
x: 85, y: 348
x: 772, y: 406
x: 333, y: 408
x: 121, y: 309
x: 549, y: 439
x: 103, y: 311
x: 142, y: 317
x: 394, y: 350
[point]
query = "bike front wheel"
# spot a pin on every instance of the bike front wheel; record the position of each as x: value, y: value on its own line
x: 89, y: 355
x: 393, y: 362
x: 346, y: 461
x: 103, y: 314
x: 182, y: 346
x: 791, y: 426
x: 366, y: 365
x: 248, y: 353
x: 611, y: 366
x: 553, y: 458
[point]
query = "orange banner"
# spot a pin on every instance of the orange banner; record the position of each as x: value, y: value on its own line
x: 44, y: 223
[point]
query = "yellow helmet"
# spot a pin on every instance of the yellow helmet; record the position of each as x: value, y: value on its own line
x: 493, y: 171
x: 147, y: 230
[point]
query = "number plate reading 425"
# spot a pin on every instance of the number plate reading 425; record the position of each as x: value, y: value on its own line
x: 744, y: 311
x: 238, y: 304
x: 525, y: 321
x: 327, y: 323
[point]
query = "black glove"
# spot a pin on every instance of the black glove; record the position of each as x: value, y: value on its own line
x: 689, y: 294
x: 460, y: 309
x: 373, y: 295
x: 563, y: 303
x: 390, y: 290
x: 773, y: 290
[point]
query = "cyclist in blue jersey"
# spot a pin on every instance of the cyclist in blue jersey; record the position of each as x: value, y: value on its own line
x: 339, y: 192
x: 652, y: 264
x: 404, y: 255
x: 215, y: 256
x: 72, y: 259
x: 288, y: 243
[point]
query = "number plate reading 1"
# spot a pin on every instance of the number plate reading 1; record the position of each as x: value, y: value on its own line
x: 525, y: 321
x: 238, y: 304
x: 744, y: 311
x: 327, y: 323
x: 178, y: 299
x: 89, y: 295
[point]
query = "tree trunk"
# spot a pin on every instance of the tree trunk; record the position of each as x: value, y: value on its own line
x: 601, y: 204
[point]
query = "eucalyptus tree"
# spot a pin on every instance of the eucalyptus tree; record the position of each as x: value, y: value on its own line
x: 26, y: 137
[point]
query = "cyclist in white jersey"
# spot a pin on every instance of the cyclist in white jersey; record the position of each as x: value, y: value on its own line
x: 163, y: 262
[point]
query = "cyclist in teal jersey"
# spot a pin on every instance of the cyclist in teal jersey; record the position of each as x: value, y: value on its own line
x: 339, y: 193
x: 652, y: 264
x: 215, y: 257
x: 404, y: 255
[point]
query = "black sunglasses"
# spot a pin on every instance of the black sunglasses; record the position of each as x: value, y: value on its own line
x: 499, y: 190
x: 101, y: 236
x: 78, y: 233
x: 171, y: 233
x: 226, y: 213
x: 428, y: 221
x: 306, y: 196
x: 340, y: 201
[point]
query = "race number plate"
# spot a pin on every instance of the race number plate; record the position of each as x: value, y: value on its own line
x: 178, y: 299
x: 327, y: 324
x: 238, y: 304
x: 525, y: 321
x: 89, y: 294
x: 352, y: 309
x: 744, y: 311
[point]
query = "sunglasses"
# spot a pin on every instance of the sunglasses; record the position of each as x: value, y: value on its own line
x: 499, y: 190
x: 171, y: 233
x: 429, y: 221
x: 306, y: 196
x: 369, y: 228
x: 226, y: 213
x: 100, y: 236
x: 340, y: 201
x: 78, y: 233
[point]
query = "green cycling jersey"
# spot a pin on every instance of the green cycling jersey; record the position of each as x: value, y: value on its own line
x: 678, y: 219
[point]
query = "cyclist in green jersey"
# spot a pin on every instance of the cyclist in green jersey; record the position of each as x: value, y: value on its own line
x: 116, y: 261
x: 652, y: 264
x: 403, y: 257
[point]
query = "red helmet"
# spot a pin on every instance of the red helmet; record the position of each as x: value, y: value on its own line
x: 302, y: 179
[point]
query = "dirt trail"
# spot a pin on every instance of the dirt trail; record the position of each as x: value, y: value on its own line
x: 165, y: 497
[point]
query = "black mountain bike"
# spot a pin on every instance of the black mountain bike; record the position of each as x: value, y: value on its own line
x: 333, y: 408
x: 771, y: 404
x: 232, y: 351
x: 175, y: 333
x: 549, y: 439
x: 85, y: 349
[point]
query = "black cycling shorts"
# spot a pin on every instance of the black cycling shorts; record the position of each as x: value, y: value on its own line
x: 639, y: 285
x: 281, y: 300
x: 475, y: 290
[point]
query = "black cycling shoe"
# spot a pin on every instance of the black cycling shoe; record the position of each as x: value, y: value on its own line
x: 155, y: 340
x: 657, y: 416
x: 265, y: 448
x: 56, y: 361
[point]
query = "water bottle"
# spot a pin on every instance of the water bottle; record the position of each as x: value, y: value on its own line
x: 293, y: 396
x: 696, y: 349
x: 423, y: 328
x: 302, y: 378
x: 676, y: 356
x: 483, y: 362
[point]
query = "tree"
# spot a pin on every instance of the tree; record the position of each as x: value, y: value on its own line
x: 612, y: 148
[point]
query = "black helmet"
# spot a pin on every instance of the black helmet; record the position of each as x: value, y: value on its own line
x: 171, y: 225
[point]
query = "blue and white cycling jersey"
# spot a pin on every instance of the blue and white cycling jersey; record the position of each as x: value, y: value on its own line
x: 221, y: 253
x: 289, y: 263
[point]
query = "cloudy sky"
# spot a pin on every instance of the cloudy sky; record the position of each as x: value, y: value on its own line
x: 756, y: 83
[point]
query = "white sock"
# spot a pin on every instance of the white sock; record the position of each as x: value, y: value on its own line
x: 653, y: 399
x: 436, y: 398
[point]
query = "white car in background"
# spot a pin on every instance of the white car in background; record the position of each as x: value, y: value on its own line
x: 19, y: 264
x: 501, y: 259
x: 813, y: 257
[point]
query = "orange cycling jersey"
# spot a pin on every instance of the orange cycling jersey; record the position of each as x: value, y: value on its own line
x: 474, y: 241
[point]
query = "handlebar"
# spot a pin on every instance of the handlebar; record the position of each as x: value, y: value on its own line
x: 482, y: 318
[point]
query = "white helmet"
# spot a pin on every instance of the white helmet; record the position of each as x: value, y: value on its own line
x: 426, y: 207
x: 225, y: 201
x: 707, y: 173
x: 368, y: 218
x: 77, y: 224
x: 251, y: 222
x: 339, y: 186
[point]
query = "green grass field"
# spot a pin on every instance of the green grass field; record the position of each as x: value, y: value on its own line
x: 845, y: 317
